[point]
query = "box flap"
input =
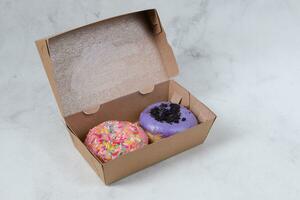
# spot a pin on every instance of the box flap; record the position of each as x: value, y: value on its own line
x: 105, y: 60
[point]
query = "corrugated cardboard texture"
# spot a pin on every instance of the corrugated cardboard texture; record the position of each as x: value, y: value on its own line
x: 106, y: 60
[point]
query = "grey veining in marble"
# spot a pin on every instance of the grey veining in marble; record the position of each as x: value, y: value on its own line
x: 240, y: 57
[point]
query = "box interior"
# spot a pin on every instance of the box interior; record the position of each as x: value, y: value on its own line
x: 112, y: 64
x: 130, y: 106
x: 100, y: 62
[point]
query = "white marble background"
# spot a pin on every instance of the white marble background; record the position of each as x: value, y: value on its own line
x: 242, y: 58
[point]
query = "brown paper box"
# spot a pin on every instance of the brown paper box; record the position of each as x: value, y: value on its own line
x: 112, y: 70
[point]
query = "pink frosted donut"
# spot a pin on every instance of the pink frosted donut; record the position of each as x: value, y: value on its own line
x: 111, y: 139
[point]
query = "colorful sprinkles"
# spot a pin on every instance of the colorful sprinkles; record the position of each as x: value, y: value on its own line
x: 111, y: 139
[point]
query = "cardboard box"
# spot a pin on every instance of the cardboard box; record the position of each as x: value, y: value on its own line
x: 114, y: 69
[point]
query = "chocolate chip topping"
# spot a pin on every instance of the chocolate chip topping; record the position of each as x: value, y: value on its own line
x: 169, y: 113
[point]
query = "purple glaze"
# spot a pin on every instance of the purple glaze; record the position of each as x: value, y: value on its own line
x: 165, y: 129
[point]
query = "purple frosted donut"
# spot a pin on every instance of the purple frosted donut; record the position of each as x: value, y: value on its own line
x: 164, y: 119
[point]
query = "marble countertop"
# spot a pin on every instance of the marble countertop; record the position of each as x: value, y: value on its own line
x: 241, y: 58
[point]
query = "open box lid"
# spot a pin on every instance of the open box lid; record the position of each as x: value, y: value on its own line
x: 99, y: 62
